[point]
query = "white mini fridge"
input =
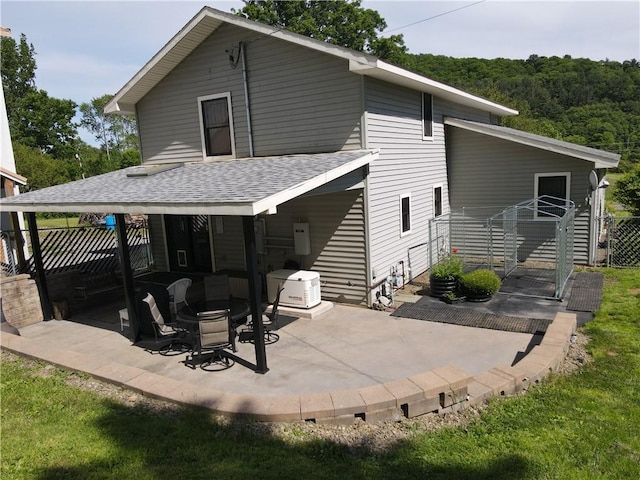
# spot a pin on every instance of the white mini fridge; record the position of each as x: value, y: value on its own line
x: 301, y: 288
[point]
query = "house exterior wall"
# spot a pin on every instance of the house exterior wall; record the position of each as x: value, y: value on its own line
x: 487, y: 171
x: 228, y: 244
x: 408, y: 164
x: 301, y: 101
x: 338, y: 252
x: 158, y: 243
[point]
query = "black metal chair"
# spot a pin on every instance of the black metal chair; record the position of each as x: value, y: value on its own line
x: 166, y: 336
x: 213, y: 336
x: 269, y: 326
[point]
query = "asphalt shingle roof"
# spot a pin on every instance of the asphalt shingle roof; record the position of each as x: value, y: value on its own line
x: 225, y: 185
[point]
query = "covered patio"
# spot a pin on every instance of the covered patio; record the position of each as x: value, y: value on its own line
x: 244, y: 188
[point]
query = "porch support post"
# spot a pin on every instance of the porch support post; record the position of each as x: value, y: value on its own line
x: 255, y: 293
x: 41, y: 279
x: 127, y: 275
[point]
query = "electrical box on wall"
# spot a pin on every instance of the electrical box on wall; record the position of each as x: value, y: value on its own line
x: 301, y: 239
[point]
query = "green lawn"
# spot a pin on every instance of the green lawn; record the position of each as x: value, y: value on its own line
x: 57, y: 222
x: 583, y: 426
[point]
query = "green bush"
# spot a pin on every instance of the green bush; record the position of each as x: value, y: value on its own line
x: 450, y: 269
x: 480, y: 282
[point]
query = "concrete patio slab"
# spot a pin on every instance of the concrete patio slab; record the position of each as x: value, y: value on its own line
x: 349, y: 362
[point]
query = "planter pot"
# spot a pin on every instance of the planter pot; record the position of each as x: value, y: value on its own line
x: 478, y: 297
x: 442, y: 286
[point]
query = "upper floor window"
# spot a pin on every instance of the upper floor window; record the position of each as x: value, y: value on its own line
x: 405, y: 214
x: 216, y: 125
x: 437, y: 201
x: 554, y: 188
x: 427, y: 115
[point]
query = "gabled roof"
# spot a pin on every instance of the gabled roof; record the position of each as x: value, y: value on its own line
x: 208, y: 20
x: 246, y: 186
x: 600, y: 158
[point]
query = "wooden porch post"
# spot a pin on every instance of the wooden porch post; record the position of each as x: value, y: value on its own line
x: 127, y: 275
x: 41, y: 279
x: 255, y: 293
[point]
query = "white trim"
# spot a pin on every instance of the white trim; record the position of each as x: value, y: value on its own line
x: 536, y: 194
x: 433, y: 199
x: 215, y: 96
x: 401, y: 198
x: 427, y: 137
x: 208, y: 20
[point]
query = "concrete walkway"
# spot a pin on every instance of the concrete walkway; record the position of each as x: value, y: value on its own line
x: 349, y: 362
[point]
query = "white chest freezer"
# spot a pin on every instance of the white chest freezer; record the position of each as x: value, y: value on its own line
x: 301, y: 288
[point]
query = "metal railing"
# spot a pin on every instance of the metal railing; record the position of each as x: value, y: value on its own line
x: 619, y: 241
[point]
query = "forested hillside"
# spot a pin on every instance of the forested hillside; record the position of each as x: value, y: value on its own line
x: 592, y: 103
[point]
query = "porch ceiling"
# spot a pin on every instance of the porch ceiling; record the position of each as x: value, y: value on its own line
x: 600, y: 158
x: 238, y: 187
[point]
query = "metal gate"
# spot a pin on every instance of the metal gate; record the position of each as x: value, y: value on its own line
x: 510, y: 235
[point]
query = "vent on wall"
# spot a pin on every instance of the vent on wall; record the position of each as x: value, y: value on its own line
x: 148, y: 170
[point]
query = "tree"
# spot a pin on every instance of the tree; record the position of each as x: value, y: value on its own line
x: 114, y: 132
x: 35, y: 119
x: 40, y: 169
x: 627, y: 190
x: 341, y: 22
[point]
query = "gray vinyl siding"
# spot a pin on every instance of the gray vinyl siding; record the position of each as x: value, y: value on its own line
x: 408, y: 164
x: 228, y: 246
x: 301, y: 101
x: 338, y: 253
x: 487, y: 171
x: 158, y: 243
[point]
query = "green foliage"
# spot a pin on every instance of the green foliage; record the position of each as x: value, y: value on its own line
x: 592, y: 103
x: 450, y: 269
x: 481, y: 282
x: 40, y: 169
x: 341, y: 22
x: 35, y: 119
x: 113, y: 132
x: 627, y: 190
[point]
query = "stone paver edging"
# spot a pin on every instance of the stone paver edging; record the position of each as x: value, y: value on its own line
x: 445, y: 389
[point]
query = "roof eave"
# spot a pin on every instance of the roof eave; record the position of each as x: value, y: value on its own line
x: 399, y: 76
x: 599, y: 161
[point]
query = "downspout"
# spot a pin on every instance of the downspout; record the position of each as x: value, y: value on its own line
x: 243, y: 53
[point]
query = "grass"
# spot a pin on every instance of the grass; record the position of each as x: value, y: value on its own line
x: 57, y: 222
x: 611, y: 205
x: 582, y: 426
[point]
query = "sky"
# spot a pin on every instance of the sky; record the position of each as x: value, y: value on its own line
x: 85, y: 49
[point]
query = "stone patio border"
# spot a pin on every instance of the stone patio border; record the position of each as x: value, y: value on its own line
x: 441, y: 390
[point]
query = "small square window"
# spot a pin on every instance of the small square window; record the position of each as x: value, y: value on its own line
x: 427, y: 115
x: 552, y: 190
x: 437, y: 201
x: 405, y: 213
x: 217, y: 125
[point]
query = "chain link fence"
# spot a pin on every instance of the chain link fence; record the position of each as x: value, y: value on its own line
x: 619, y: 241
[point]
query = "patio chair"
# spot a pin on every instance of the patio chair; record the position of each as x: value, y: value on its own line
x: 216, y: 288
x: 272, y: 323
x: 167, y: 335
x: 213, y: 336
x: 178, y: 294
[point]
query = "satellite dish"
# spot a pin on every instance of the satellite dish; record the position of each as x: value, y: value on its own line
x: 593, y: 179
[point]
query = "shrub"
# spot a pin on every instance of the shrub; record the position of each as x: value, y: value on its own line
x: 450, y: 269
x: 481, y: 282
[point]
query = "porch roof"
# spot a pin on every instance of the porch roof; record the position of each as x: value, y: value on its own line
x: 600, y: 158
x: 245, y: 186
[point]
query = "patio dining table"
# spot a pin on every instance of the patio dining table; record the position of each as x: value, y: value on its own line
x: 239, y: 311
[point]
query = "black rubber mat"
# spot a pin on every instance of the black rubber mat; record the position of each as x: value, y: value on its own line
x: 586, y: 293
x: 470, y: 318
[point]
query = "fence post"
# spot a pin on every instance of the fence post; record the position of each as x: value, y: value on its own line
x: 127, y: 274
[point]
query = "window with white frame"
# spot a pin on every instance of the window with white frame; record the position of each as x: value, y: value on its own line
x: 405, y: 214
x: 216, y: 125
x: 437, y: 200
x: 427, y: 115
x: 552, y: 192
